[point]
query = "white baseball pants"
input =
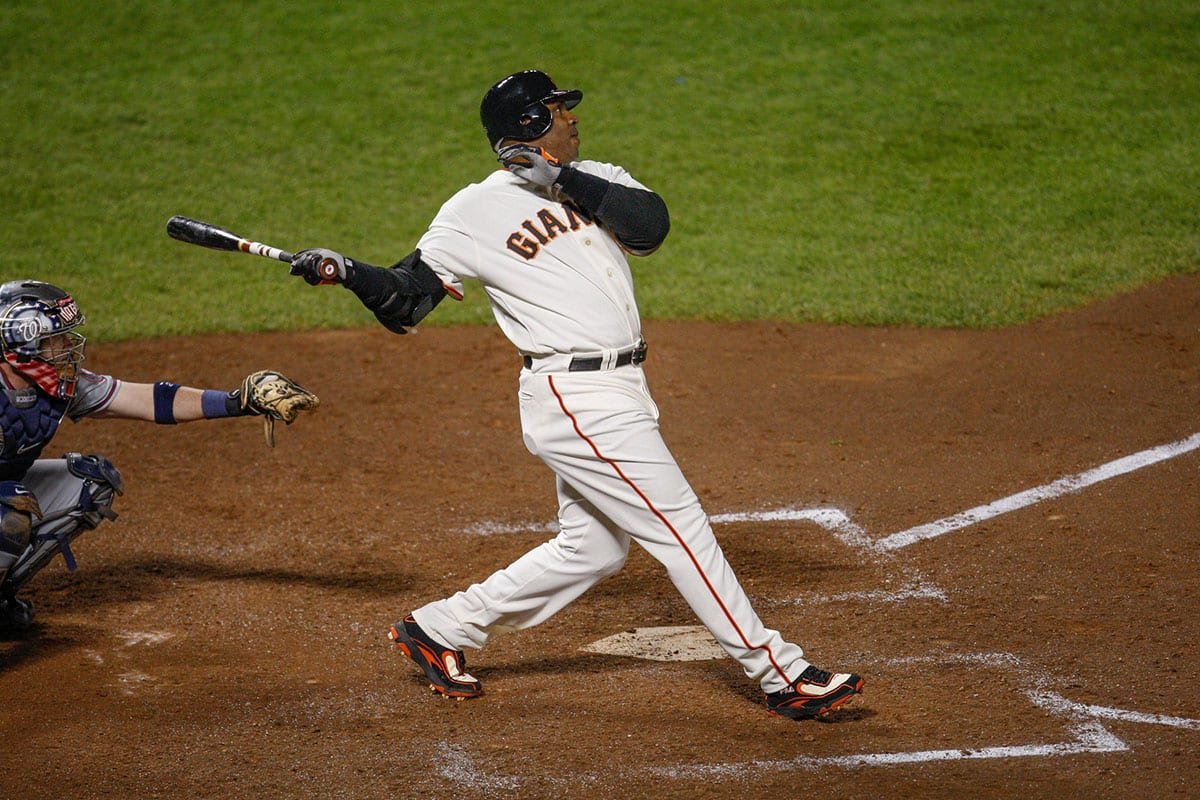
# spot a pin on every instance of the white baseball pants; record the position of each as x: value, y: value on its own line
x: 616, y: 479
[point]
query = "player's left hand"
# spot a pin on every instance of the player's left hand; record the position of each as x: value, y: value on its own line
x: 531, y: 164
x: 274, y: 396
x: 318, y: 265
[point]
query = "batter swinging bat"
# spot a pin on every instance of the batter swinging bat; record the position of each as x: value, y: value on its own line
x: 193, y: 231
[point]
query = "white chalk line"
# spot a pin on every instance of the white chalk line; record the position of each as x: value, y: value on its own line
x: 503, y: 528
x: 455, y: 764
x: 912, y: 590
x: 1088, y: 737
x: 1062, y: 486
x: 851, y: 534
x: 1042, y: 696
x: 834, y: 520
x: 147, y: 638
x: 995, y: 660
x: 1056, y: 702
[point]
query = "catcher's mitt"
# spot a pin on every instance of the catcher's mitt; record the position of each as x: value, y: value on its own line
x: 274, y: 397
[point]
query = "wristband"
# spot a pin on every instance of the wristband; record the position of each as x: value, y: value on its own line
x: 215, y: 404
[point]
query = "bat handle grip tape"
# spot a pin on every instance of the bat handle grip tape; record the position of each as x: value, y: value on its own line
x: 265, y: 250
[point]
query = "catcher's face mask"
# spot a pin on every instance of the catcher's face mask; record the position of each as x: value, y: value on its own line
x: 38, y: 336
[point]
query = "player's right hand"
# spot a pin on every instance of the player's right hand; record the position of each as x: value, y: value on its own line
x: 320, y: 266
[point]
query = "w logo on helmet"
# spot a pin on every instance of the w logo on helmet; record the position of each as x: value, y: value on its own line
x: 25, y: 330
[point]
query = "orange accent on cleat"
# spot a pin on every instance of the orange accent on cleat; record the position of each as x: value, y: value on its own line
x: 445, y: 668
x: 814, y: 694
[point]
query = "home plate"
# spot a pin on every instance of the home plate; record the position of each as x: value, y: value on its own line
x: 680, y: 643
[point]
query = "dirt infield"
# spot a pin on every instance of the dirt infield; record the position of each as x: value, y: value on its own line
x: 226, y: 636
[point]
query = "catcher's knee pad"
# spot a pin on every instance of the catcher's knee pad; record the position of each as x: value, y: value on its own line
x: 101, y: 482
x: 96, y: 469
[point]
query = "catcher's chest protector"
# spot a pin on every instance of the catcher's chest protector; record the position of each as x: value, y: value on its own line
x: 28, y: 421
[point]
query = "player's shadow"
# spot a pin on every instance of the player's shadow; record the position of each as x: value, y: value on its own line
x: 143, y: 580
x: 43, y: 641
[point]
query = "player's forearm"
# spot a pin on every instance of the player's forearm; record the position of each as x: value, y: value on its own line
x: 400, y: 296
x: 636, y: 217
x: 168, y: 403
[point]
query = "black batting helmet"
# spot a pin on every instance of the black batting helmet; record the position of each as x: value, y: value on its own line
x: 516, y: 107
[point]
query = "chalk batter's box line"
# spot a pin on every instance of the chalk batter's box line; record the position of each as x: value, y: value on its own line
x: 1088, y: 734
x: 1089, y: 737
x: 840, y: 525
x: 1049, y: 491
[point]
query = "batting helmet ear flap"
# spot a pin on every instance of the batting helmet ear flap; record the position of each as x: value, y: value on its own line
x: 535, y: 120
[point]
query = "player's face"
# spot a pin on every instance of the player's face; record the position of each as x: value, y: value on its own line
x: 63, y: 351
x: 562, y: 140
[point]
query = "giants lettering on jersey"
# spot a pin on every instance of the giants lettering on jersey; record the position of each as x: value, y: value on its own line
x: 527, y: 241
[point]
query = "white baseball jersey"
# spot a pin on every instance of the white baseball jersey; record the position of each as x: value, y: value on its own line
x: 559, y: 284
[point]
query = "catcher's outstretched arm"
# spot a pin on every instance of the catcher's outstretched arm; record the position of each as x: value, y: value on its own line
x: 150, y: 402
x: 265, y: 393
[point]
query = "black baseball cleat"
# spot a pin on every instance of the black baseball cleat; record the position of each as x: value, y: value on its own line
x: 445, y: 668
x: 15, y: 614
x: 814, y: 694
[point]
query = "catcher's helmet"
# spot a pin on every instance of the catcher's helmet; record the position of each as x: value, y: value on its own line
x: 37, y: 322
x: 516, y: 107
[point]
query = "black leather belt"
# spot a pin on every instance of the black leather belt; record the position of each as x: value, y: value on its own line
x: 592, y: 363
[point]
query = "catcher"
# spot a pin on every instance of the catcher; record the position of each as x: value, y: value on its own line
x: 46, y: 503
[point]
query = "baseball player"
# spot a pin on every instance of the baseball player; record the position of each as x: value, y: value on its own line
x: 546, y: 236
x: 46, y: 503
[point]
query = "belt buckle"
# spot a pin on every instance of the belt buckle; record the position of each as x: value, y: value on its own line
x: 639, y: 353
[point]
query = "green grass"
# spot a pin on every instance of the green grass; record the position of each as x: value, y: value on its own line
x: 900, y: 163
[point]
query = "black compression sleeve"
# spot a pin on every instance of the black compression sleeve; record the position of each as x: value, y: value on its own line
x: 400, y: 296
x: 637, y: 217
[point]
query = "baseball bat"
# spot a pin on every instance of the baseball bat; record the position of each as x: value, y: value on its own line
x: 205, y: 234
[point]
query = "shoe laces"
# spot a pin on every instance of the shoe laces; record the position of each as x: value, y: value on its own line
x: 813, y: 675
